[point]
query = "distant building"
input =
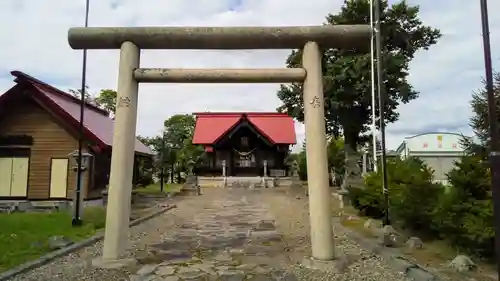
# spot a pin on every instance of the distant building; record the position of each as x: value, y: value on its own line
x: 438, y: 150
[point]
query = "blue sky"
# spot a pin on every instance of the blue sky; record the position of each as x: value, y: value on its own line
x: 35, y: 41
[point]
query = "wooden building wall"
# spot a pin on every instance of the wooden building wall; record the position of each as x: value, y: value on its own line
x: 50, y: 140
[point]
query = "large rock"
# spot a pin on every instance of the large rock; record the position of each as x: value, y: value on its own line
x: 462, y: 264
x: 388, y: 237
x: 414, y: 243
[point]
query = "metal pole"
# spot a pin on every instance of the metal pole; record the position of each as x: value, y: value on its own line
x: 76, y: 221
x: 380, y: 88
x: 372, y: 65
x: 162, y: 161
x: 493, y: 127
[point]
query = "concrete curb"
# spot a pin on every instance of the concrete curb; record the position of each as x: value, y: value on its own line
x: 72, y: 248
x: 393, y: 257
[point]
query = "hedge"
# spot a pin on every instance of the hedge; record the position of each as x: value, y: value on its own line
x: 461, y: 214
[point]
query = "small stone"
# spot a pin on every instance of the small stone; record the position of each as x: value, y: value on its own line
x: 462, y: 264
x: 414, y: 243
x: 232, y: 275
x: 222, y: 268
x: 189, y: 269
x: 246, y: 267
x: 389, y: 237
x: 260, y: 277
x: 419, y: 274
x: 267, y: 235
x: 170, y: 278
x: 401, y: 264
x: 208, y: 268
x: 147, y: 269
x: 165, y: 270
x: 59, y: 242
x: 193, y: 276
x: 369, y: 224
x: 224, y: 259
x: 236, y: 251
x: 265, y: 225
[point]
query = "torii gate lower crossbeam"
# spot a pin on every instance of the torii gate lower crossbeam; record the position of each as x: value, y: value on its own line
x: 131, y: 40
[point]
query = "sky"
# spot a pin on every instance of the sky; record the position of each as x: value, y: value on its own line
x: 34, y: 40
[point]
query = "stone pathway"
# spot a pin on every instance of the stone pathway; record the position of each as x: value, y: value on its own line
x: 233, y: 238
x: 224, y: 234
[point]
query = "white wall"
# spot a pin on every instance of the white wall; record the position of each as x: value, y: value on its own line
x: 433, y: 143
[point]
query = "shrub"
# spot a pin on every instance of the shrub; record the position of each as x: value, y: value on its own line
x: 465, y: 214
x: 412, y: 195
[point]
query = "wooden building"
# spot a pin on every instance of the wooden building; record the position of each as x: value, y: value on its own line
x: 39, y: 128
x: 247, y: 144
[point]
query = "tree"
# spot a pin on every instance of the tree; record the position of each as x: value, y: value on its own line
x: 347, y: 80
x: 479, y: 103
x: 77, y: 93
x: 178, y: 136
x: 106, y: 99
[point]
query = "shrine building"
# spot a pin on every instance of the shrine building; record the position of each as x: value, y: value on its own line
x: 244, y: 144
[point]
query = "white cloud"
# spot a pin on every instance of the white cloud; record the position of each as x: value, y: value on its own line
x: 35, y: 41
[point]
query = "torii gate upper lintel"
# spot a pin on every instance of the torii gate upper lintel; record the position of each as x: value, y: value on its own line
x: 130, y: 40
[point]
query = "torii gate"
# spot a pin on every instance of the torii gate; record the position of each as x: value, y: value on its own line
x: 130, y: 40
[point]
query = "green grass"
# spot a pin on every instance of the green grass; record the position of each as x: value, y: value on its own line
x: 154, y: 189
x: 24, y: 236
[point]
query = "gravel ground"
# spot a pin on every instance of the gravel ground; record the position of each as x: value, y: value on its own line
x: 204, y: 217
x: 292, y: 210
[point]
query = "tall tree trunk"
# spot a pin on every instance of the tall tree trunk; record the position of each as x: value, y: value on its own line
x: 352, y: 173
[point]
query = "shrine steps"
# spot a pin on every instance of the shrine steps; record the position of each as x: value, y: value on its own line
x: 248, y: 182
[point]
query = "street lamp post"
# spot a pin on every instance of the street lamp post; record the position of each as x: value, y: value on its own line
x: 80, y: 163
x: 162, y: 161
x: 82, y: 111
x: 494, y: 155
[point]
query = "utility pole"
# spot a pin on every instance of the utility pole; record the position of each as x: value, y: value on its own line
x: 76, y: 221
x: 380, y: 88
x: 374, y: 111
x: 494, y: 155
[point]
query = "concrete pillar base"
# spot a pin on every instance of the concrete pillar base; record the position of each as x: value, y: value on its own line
x: 338, y: 265
x: 113, y: 264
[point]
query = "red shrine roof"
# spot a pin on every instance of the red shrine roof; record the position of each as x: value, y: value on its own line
x: 98, y: 126
x: 278, y: 128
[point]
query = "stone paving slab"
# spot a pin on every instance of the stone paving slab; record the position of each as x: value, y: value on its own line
x: 233, y: 239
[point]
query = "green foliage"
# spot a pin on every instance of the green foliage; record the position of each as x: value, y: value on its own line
x: 462, y: 215
x: 479, y: 103
x: 465, y: 214
x: 412, y: 194
x: 106, y: 99
x: 178, y: 135
x: 175, y: 152
x: 347, y: 87
x: 335, y: 154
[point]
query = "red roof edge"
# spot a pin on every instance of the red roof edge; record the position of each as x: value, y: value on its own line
x: 23, y: 76
x: 69, y: 119
x: 240, y: 113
